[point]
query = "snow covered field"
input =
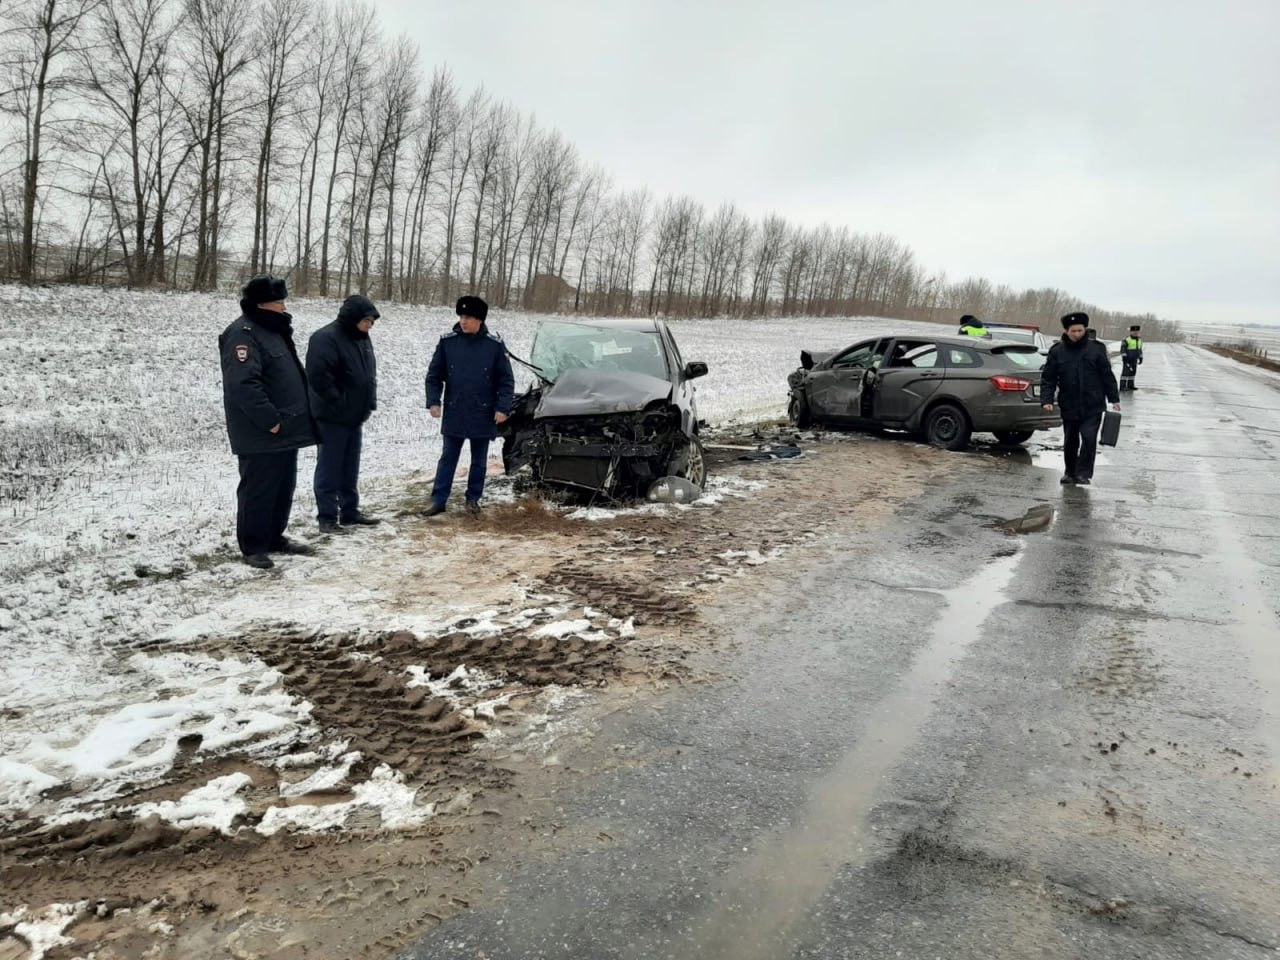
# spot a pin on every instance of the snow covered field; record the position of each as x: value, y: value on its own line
x: 117, y: 499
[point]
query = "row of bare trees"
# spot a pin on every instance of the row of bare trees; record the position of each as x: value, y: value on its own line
x: 190, y: 143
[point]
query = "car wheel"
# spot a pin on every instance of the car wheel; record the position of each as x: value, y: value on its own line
x: 947, y: 427
x: 695, y: 464
x: 798, y: 411
x: 1013, y: 437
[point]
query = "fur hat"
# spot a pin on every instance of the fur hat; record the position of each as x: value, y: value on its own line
x: 472, y: 307
x: 264, y: 288
x: 1134, y: 328
x: 1071, y: 319
x: 969, y: 319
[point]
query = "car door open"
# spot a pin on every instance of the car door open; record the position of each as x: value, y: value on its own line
x: 836, y: 387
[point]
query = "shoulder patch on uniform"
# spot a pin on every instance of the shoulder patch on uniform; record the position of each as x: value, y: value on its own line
x: 446, y: 336
x: 494, y: 336
x: 242, y: 352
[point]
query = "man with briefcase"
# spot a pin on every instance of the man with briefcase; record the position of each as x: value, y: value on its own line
x: 1079, y: 377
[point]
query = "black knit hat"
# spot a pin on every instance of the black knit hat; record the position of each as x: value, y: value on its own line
x: 264, y: 288
x: 1071, y: 319
x: 472, y: 307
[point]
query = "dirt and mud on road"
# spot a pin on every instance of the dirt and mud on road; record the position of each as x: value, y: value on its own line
x: 570, y: 617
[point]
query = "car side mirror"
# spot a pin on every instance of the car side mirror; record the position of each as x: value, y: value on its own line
x: 694, y: 368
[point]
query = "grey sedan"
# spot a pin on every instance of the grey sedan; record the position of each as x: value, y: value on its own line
x: 944, y: 389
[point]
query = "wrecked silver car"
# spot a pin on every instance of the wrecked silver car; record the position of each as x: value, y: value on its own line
x: 611, y: 413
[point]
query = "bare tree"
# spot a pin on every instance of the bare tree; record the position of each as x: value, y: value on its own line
x: 319, y: 88
x: 439, y: 120
x: 281, y: 25
x: 594, y: 208
x: 391, y: 110
x: 490, y: 135
x: 219, y: 31
x: 767, y: 253
x: 513, y: 185
x: 43, y: 44
x: 132, y: 78
x: 356, y: 37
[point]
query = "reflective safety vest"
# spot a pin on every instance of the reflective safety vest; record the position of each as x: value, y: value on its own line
x: 1133, y: 343
x: 975, y: 331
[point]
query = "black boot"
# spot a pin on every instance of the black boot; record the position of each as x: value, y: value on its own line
x: 285, y: 545
x: 433, y: 510
x: 259, y: 560
x: 359, y: 519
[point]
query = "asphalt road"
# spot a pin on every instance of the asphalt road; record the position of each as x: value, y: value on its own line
x: 941, y: 739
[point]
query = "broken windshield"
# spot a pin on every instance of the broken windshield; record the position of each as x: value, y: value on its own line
x: 567, y: 346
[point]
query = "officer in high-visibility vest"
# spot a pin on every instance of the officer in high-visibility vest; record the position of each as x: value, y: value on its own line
x: 1130, y: 357
x: 971, y: 326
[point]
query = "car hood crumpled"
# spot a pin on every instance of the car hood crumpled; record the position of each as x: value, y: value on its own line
x: 579, y: 392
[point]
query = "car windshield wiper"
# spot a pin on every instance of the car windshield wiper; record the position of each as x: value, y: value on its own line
x: 537, y: 371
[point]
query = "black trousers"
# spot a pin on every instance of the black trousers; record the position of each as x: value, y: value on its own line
x: 1128, y: 373
x: 1080, y: 444
x: 337, y: 472
x: 264, y: 499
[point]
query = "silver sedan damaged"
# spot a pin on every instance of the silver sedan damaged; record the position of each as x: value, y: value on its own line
x: 612, y: 413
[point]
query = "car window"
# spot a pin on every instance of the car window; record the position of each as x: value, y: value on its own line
x: 861, y: 355
x: 913, y: 354
x: 565, y: 346
x: 962, y: 357
x: 1025, y: 358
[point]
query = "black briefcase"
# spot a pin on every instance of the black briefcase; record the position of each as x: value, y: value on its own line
x: 1110, y: 432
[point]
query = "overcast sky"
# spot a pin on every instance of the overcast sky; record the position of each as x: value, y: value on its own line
x: 1126, y: 151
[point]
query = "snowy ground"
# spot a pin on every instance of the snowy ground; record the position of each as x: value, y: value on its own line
x: 117, y: 495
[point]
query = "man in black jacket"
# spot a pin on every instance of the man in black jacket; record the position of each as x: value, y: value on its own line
x: 343, y: 379
x: 264, y: 393
x: 1078, y: 375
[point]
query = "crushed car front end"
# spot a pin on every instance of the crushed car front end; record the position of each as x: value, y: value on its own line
x: 599, y: 429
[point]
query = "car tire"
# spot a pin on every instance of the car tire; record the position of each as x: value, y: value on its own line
x: 695, y: 463
x: 1011, y: 438
x: 798, y: 411
x: 947, y: 427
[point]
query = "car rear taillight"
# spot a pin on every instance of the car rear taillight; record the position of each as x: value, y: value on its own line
x: 1014, y: 384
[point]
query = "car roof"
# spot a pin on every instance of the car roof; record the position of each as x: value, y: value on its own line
x: 646, y: 324
x: 955, y: 341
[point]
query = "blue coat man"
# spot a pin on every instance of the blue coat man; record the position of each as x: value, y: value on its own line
x: 471, y: 387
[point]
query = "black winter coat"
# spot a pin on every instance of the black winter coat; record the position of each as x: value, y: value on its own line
x: 341, y: 371
x: 1079, y: 378
x: 471, y: 373
x: 263, y: 385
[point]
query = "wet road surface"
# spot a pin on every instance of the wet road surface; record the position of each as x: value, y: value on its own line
x: 1019, y: 721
